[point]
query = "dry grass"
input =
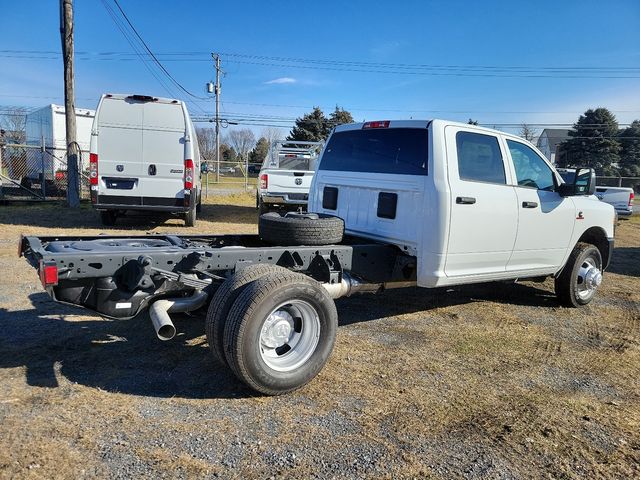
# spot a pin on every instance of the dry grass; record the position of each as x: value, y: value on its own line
x: 473, y: 382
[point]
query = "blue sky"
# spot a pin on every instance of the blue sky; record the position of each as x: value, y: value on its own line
x: 460, y: 34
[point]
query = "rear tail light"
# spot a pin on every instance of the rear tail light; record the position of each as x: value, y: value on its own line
x: 378, y: 124
x: 264, y: 181
x: 631, y: 197
x: 93, y: 169
x: 188, y: 174
x: 48, y: 274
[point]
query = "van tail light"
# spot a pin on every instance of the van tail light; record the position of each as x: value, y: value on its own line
x: 631, y: 197
x: 93, y: 169
x: 264, y: 181
x: 48, y: 273
x: 378, y: 124
x: 188, y: 174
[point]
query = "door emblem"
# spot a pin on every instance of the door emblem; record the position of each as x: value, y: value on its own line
x: 298, y: 181
x: 120, y: 168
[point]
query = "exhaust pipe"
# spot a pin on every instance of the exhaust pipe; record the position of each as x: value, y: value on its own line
x: 350, y: 285
x: 160, y: 309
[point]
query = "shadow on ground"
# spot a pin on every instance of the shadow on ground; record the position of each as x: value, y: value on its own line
x: 56, y: 215
x: 125, y: 356
x: 625, y: 261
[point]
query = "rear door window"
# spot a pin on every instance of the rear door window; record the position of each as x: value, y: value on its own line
x: 479, y: 158
x: 378, y: 150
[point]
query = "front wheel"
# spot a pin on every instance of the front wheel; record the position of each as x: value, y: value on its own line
x: 581, y: 276
x: 280, y: 332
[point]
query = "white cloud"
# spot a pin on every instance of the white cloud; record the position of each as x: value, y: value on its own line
x: 281, y: 81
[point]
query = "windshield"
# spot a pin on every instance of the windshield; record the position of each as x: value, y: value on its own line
x: 378, y: 150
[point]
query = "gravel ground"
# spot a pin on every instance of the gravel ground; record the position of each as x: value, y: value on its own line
x: 488, y: 381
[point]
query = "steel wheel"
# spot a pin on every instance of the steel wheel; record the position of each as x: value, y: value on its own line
x: 289, y: 335
x: 588, y: 279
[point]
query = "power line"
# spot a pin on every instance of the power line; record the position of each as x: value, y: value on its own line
x: 178, y: 84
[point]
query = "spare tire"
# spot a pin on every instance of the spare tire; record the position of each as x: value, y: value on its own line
x: 300, y: 228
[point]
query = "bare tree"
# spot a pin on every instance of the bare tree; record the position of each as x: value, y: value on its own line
x: 14, y: 123
x: 528, y: 132
x: 271, y: 134
x: 242, y: 141
x: 207, y: 143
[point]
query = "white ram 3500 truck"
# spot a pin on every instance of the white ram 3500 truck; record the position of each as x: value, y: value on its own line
x: 286, y: 174
x: 395, y: 204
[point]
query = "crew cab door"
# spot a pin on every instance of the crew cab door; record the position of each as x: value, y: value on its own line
x: 546, y: 219
x: 483, y: 204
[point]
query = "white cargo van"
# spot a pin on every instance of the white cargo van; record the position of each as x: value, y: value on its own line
x: 144, y: 156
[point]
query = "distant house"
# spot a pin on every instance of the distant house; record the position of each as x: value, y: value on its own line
x: 549, y: 140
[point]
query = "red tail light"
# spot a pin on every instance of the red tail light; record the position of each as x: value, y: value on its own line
x: 379, y: 124
x: 264, y: 181
x: 48, y: 274
x: 188, y: 174
x: 631, y: 197
x: 93, y: 168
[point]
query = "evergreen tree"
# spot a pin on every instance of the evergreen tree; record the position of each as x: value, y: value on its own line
x: 260, y: 151
x: 339, y: 116
x: 312, y: 127
x: 629, y: 165
x: 593, y: 142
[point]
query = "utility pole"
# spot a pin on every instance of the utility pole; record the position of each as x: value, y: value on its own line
x: 66, y: 35
x: 217, y: 93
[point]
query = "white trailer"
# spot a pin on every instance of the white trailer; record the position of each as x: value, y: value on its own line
x: 46, y: 128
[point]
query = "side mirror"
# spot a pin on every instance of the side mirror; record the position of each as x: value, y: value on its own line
x: 584, y: 183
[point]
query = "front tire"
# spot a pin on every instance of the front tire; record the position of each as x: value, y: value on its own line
x: 581, y: 276
x: 280, y: 332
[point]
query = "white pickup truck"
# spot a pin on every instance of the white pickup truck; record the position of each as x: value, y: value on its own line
x: 286, y: 174
x: 620, y: 197
x: 396, y: 204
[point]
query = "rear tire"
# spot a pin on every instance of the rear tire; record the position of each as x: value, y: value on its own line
x: 262, y: 207
x: 190, y: 217
x: 108, y: 217
x: 280, y: 332
x: 223, y: 300
x: 579, y: 280
x: 300, y: 229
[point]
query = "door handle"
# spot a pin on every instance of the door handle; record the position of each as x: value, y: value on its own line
x: 529, y: 204
x: 152, y: 169
x: 465, y: 200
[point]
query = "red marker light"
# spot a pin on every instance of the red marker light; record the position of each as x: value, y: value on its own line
x: 378, y: 124
x: 48, y: 274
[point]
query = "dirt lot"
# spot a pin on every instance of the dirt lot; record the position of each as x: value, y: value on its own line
x: 490, y: 381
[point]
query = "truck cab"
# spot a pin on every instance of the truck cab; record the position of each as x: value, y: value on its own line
x: 472, y: 204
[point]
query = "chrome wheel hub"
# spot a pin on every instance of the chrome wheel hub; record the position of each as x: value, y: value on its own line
x: 289, y: 335
x: 589, y: 278
x: 277, y: 329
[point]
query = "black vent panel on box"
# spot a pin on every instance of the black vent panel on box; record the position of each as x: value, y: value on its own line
x: 330, y: 198
x: 387, y: 205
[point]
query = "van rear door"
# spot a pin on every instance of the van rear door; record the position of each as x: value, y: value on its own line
x: 119, y: 147
x: 163, y: 155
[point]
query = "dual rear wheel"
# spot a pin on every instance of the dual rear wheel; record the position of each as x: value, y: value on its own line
x: 274, y: 328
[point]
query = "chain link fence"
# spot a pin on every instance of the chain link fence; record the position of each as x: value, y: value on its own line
x: 229, y: 176
x: 35, y: 172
